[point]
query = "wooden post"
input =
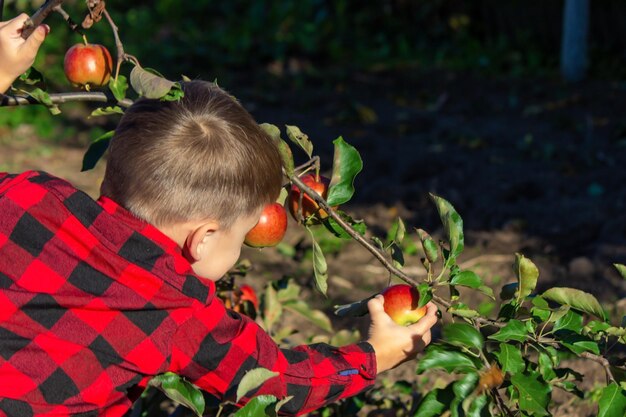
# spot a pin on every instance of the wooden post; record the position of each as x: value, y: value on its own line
x: 574, y: 60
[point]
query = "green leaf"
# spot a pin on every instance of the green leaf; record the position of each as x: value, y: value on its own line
x: 299, y: 138
x: 180, y: 390
x: 96, y: 150
x: 463, y: 334
x: 546, y: 367
x: 397, y: 231
x: 612, y: 401
x: 510, y: 358
x: 577, y: 299
x: 462, y: 310
x: 252, y: 380
x: 272, y: 308
x: 347, y: 164
x: 453, y: 227
x: 320, y: 268
x: 570, y: 321
x: 467, y: 279
x: 449, y: 360
x: 316, y: 317
x: 106, y: 111
x: 397, y: 256
x: 44, y: 98
x: 285, y: 151
x: 621, y: 269
x: 577, y: 343
x: 148, y: 84
x: 431, y: 249
x: 257, y: 407
x: 119, y: 87
x: 435, y: 402
x: 462, y: 389
x: 527, y: 275
x: 426, y: 294
x: 514, y: 330
x: 534, y: 395
x: 333, y: 227
x: 477, y: 407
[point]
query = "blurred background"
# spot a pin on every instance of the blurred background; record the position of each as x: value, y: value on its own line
x: 477, y: 101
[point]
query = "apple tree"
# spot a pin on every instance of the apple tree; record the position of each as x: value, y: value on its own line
x: 506, y: 360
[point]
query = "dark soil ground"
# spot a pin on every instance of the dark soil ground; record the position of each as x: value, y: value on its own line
x: 533, y: 166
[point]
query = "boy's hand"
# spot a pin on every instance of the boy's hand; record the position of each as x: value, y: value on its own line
x: 17, y: 54
x: 393, y: 343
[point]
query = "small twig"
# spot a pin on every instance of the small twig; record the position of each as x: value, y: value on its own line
x: 38, y: 17
x: 59, y: 98
x: 73, y: 25
x: 314, y: 161
x: 121, y: 55
x: 602, y: 361
x: 501, y: 404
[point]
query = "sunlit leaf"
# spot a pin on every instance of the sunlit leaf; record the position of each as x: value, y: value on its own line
x: 119, y: 87
x: 258, y: 407
x: 252, y: 380
x: 467, y: 279
x: 513, y: 330
x: 44, y: 98
x: 180, y: 390
x: 284, y: 149
x: 431, y: 249
x: 438, y: 357
x: 426, y: 294
x: 453, y: 227
x: 571, y: 320
x: 621, y: 269
x: 148, y: 84
x: 320, y: 268
x: 576, y: 342
x: 301, y: 139
x: 463, y: 334
x: 577, y: 299
x: 96, y: 150
x: 527, y: 275
x: 347, y: 164
x: 333, y: 226
x: 106, y: 111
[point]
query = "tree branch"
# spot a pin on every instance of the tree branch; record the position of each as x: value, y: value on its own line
x: 38, y: 17
x: 602, y: 361
x: 59, y: 98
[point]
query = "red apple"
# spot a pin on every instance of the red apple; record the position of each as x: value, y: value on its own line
x: 88, y: 65
x: 309, y: 207
x: 248, y: 294
x: 270, y: 229
x: 400, y: 302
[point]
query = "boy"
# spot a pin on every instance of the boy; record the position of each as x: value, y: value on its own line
x: 97, y: 297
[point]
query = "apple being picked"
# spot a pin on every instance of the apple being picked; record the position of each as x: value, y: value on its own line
x: 401, y: 304
x: 88, y: 65
x: 309, y: 206
x: 270, y: 229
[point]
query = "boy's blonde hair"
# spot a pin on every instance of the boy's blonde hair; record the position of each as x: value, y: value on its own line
x: 201, y: 157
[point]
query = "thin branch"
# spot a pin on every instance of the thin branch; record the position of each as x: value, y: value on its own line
x: 60, y: 98
x: 350, y: 230
x: 121, y: 55
x: 602, y: 361
x: 73, y: 25
x: 38, y: 17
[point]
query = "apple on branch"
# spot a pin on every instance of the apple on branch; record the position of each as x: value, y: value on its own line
x: 310, y: 209
x: 401, y: 304
x: 270, y: 229
x: 88, y: 65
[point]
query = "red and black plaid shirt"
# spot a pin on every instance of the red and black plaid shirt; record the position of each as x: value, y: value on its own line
x: 94, y: 302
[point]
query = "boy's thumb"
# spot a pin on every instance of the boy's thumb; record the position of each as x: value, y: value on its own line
x: 376, y: 307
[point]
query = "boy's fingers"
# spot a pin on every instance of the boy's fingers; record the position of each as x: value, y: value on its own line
x: 426, y: 322
x: 17, y: 22
x: 36, y: 38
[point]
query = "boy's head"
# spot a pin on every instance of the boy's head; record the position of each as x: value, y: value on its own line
x: 201, y: 158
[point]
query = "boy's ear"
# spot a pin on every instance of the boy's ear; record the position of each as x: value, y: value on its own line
x: 199, y: 237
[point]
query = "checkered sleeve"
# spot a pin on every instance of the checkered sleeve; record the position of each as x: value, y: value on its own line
x: 216, y: 347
